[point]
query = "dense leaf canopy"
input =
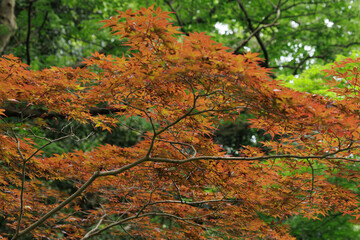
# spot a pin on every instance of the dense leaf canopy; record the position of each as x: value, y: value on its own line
x: 175, y: 181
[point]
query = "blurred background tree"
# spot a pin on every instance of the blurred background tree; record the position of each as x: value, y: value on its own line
x: 291, y: 35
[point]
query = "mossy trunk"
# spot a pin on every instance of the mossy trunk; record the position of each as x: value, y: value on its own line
x: 7, y: 22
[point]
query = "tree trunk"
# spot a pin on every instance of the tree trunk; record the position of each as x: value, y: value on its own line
x: 7, y: 22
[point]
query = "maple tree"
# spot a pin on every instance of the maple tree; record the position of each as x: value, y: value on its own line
x: 183, y: 86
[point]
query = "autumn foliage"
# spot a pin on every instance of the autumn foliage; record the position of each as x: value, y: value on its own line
x: 176, y: 183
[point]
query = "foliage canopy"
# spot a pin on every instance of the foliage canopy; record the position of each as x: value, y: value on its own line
x: 183, y: 86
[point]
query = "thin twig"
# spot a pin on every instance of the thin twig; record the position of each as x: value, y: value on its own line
x: 312, y: 179
x: 97, y: 225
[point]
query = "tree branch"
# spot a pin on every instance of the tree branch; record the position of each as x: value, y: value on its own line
x: 166, y: 160
x: 261, y: 158
x: 255, y: 32
x: 59, y: 207
x: 181, y: 24
x: 23, y: 175
x: 303, y: 61
x: 187, y: 220
x: 28, y: 58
